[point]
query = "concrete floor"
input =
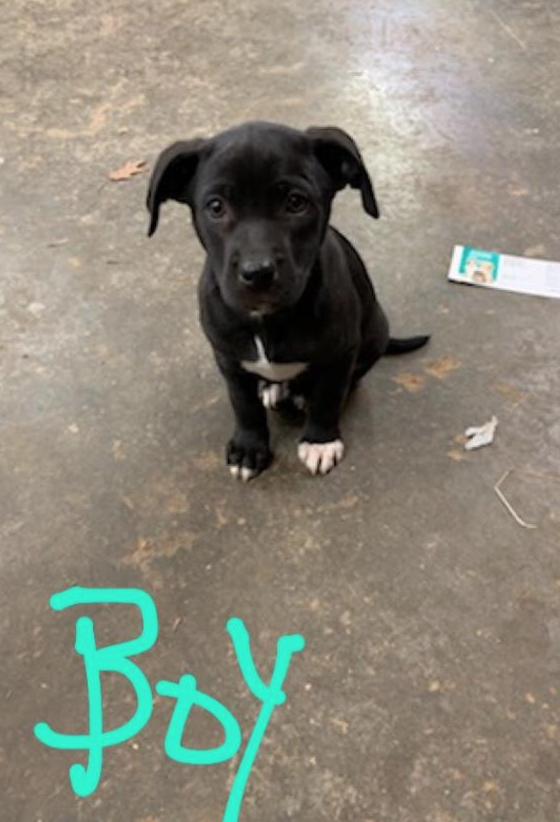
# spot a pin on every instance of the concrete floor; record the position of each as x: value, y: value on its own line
x: 430, y: 686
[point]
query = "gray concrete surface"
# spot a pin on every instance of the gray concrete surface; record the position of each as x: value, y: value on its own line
x: 430, y: 685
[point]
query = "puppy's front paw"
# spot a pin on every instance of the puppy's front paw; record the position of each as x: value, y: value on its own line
x: 247, y: 456
x: 321, y: 457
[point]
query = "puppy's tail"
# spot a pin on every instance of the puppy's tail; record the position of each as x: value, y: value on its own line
x: 403, y: 346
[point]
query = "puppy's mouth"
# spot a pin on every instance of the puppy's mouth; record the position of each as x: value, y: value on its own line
x: 260, y: 303
x: 278, y: 298
x: 261, y: 307
x: 250, y: 303
x: 261, y: 311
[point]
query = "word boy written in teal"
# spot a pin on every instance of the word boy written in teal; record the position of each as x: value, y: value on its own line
x: 116, y: 658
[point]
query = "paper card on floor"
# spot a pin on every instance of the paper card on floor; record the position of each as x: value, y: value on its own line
x: 474, y: 266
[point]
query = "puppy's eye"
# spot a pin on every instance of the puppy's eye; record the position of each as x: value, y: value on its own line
x: 216, y: 207
x: 296, y: 203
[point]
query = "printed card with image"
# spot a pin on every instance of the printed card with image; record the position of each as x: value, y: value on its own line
x: 475, y: 266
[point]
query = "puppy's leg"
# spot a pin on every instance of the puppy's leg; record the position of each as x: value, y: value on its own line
x: 321, y: 447
x: 374, y: 342
x: 248, y: 451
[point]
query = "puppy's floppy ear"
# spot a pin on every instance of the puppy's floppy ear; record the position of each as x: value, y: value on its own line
x: 172, y: 174
x: 338, y: 154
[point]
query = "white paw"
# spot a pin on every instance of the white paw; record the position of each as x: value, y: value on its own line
x: 241, y: 472
x: 321, y: 457
x: 272, y: 394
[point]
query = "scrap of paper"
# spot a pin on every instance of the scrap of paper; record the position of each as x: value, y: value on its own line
x: 480, y: 435
x: 525, y: 275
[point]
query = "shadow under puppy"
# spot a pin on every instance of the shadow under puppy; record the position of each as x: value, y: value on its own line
x: 285, y: 300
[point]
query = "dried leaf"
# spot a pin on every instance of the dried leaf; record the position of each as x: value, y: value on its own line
x: 129, y: 170
x: 455, y: 454
x: 411, y: 382
x: 510, y: 392
x: 443, y: 367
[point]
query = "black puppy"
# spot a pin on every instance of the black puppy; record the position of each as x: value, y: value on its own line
x: 285, y: 300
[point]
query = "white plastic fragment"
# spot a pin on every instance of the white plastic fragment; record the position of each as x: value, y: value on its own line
x: 481, y: 435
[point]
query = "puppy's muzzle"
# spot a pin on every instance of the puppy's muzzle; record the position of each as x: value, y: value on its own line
x: 257, y: 275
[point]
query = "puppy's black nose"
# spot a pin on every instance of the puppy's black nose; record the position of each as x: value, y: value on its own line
x: 257, y: 274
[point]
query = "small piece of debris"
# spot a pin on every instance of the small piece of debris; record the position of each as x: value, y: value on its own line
x: 341, y: 724
x: 346, y: 619
x: 517, y: 190
x: 130, y: 169
x: 57, y: 243
x: 73, y: 428
x: 530, y: 699
x: 509, y: 506
x: 117, y: 450
x: 481, y: 435
x: 508, y: 30
x: 36, y: 309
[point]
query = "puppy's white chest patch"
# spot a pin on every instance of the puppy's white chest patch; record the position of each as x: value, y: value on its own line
x: 273, y: 371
